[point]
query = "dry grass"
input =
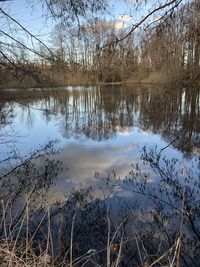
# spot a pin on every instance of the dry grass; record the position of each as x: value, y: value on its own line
x: 59, y: 77
x: 18, y: 246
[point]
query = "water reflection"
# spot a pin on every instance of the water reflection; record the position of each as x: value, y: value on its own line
x: 99, y: 113
x: 101, y: 130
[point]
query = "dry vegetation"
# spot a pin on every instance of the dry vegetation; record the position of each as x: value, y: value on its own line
x: 85, y: 231
x: 98, y: 52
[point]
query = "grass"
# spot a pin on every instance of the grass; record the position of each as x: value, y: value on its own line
x: 33, y: 242
x: 56, y: 77
x: 85, y: 231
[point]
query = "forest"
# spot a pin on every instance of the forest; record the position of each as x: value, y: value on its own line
x: 163, y: 45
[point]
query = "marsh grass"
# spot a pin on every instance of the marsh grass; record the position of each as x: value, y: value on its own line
x: 85, y: 231
x: 39, y: 242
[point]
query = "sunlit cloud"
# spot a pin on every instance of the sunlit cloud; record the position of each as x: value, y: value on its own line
x: 125, y: 18
x: 119, y: 25
x: 122, y: 21
x: 124, y: 133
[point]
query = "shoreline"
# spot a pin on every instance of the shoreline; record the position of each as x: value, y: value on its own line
x: 137, y: 82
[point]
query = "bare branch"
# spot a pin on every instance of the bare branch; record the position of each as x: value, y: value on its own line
x: 28, y: 32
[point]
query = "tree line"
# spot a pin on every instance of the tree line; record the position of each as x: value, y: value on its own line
x: 163, y: 45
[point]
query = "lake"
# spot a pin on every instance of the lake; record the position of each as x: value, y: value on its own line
x: 116, y: 167
x: 100, y: 129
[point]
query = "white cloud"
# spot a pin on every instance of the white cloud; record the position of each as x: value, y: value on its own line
x: 122, y: 21
x: 119, y: 25
x: 124, y: 133
x: 124, y: 18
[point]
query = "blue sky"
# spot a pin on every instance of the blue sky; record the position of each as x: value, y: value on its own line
x: 32, y: 17
x: 30, y: 14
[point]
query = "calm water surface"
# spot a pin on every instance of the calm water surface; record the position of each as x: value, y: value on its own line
x: 101, y: 130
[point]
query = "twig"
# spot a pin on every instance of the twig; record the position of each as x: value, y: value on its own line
x: 108, y: 239
x: 71, y: 239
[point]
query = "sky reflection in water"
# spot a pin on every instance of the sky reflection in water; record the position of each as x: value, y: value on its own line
x: 100, y: 130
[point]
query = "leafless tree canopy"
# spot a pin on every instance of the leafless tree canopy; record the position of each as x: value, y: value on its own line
x: 95, y: 49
